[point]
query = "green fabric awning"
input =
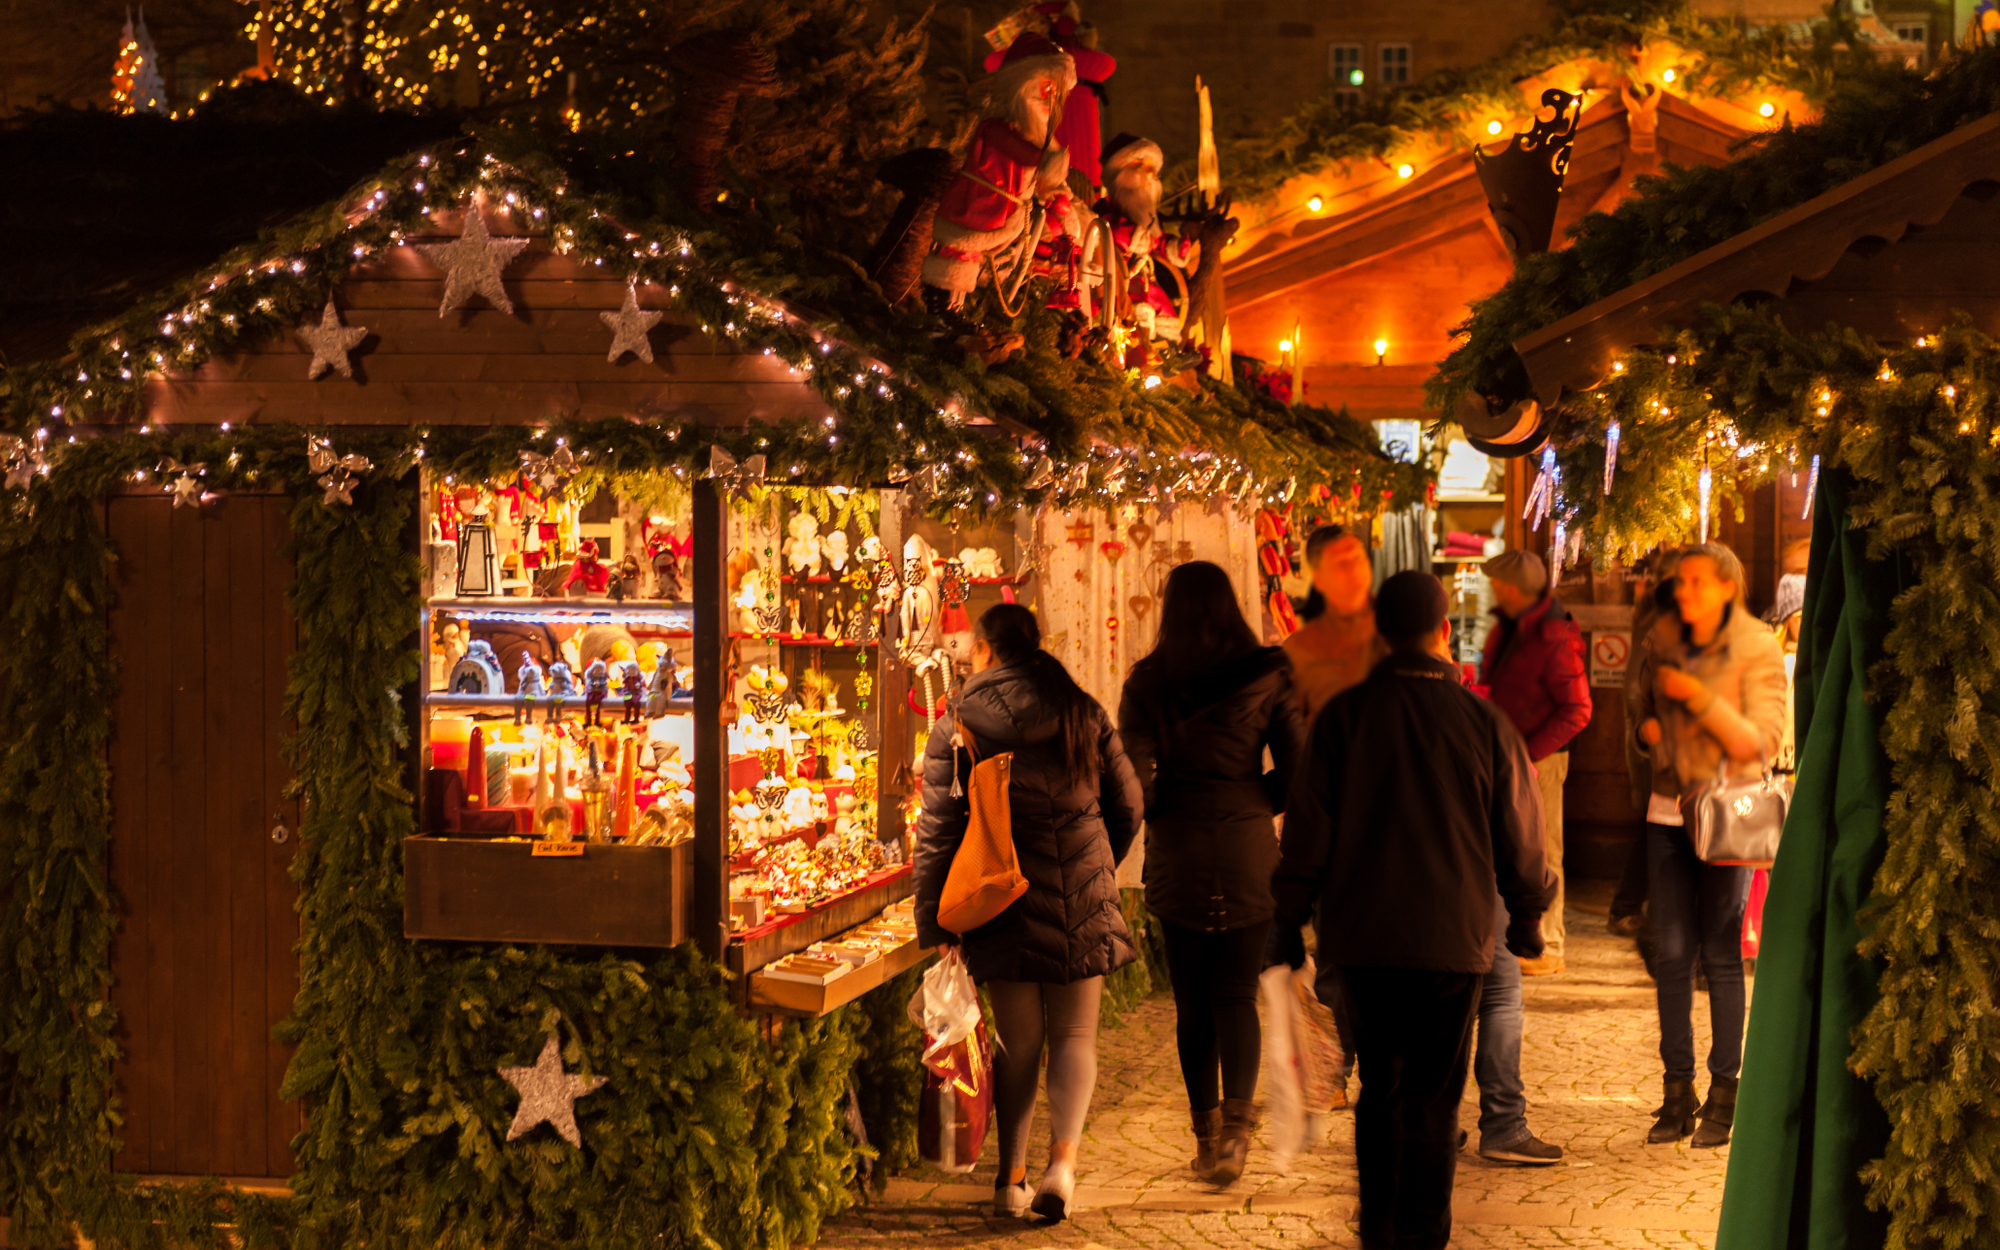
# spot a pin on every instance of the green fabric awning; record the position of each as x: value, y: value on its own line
x: 1805, y: 1124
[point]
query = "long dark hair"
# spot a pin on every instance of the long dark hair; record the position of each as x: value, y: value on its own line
x: 1016, y: 638
x: 1201, y: 626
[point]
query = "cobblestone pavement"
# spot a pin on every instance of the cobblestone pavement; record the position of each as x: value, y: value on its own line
x: 1591, y: 1066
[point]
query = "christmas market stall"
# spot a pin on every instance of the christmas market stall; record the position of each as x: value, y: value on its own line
x: 1821, y: 312
x: 465, y: 652
x: 1370, y: 225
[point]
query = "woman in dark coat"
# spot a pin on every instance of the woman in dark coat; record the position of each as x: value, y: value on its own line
x: 1197, y: 716
x: 1075, y: 809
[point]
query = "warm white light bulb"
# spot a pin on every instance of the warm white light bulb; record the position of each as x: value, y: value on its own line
x: 1492, y: 128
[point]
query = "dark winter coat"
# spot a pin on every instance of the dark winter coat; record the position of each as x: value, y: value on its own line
x: 1415, y: 801
x: 1068, y: 926
x: 1533, y: 670
x: 1198, y: 749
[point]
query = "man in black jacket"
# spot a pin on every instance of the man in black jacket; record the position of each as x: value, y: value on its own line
x: 1414, y: 800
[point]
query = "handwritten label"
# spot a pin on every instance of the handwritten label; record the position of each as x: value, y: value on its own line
x: 557, y: 850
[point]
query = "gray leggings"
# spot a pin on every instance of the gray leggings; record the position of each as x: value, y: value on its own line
x: 1027, y: 1014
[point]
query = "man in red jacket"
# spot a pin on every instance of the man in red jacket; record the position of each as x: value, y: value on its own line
x: 1534, y: 670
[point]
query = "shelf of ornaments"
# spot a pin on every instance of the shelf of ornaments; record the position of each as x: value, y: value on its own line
x: 565, y: 610
x: 613, y: 706
x: 803, y: 640
x: 1013, y: 579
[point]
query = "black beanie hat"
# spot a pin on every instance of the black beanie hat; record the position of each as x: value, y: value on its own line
x: 1410, y: 605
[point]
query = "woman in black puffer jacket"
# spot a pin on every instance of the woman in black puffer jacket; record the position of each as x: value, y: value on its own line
x: 1075, y: 809
x: 1197, y: 715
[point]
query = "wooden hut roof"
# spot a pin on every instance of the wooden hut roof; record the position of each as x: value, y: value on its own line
x: 1830, y: 258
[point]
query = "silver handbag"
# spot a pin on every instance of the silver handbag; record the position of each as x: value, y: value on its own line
x: 1738, y: 823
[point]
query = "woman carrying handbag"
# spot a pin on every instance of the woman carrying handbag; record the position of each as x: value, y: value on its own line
x: 1073, y: 804
x: 1712, y: 715
x: 1197, y: 714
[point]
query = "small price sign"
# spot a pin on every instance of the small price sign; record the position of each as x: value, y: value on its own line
x: 557, y: 850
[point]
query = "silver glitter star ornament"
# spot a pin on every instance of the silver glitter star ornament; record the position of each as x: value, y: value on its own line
x: 628, y: 328
x: 548, y: 1094
x: 331, y: 342
x: 472, y: 264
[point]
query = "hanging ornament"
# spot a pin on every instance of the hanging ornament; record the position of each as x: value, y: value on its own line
x: 1112, y: 549
x: 1704, y: 484
x: 899, y: 473
x: 551, y: 472
x: 1610, y: 455
x: 1541, y: 498
x: 629, y: 326
x: 24, y: 460
x: 1140, y: 605
x: 864, y: 688
x: 1111, y: 624
x: 1165, y: 507
x: 1559, y: 547
x: 1575, y: 545
x: 331, y: 342
x: 1812, y: 489
x: 1081, y: 532
x: 1042, y: 475
x: 548, y: 1094
x: 472, y: 263
x: 1140, y: 533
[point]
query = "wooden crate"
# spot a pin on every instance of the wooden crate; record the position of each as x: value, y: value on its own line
x: 477, y: 890
x: 777, y: 996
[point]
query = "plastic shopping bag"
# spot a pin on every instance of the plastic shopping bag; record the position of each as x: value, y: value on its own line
x: 957, y: 1101
x: 1304, y: 1069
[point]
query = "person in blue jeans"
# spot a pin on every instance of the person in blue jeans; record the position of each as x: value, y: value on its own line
x: 1504, y: 1136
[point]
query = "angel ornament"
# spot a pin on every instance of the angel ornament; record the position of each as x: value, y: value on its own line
x: 802, y: 549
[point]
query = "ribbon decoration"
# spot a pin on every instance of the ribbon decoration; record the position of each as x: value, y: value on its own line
x: 1042, y: 475
x: 24, y: 460
x: 551, y: 472
x: 1610, y: 455
x: 900, y: 472
x: 339, y: 475
x: 737, y: 477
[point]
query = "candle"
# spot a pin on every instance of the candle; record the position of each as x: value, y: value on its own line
x: 449, y: 735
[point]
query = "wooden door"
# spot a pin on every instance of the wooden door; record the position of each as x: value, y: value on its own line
x: 203, y: 959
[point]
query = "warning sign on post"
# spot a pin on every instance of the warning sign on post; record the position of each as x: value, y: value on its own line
x: 1609, y: 650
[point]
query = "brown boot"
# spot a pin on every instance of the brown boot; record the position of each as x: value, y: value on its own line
x: 1717, y: 1114
x: 1207, y: 1127
x: 1676, y: 1113
x: 1232, y: 1149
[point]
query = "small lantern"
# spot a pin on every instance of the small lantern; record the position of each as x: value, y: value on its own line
x: 478, y: 565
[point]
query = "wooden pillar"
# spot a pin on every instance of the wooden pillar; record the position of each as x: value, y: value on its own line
x: 708, y: 906
x: 892, y: 746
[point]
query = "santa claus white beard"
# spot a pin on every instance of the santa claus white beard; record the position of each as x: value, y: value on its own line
x: 1030, y: 116
x: 1138, y: 200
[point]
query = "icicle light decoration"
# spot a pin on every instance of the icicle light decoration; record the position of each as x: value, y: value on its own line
x: 1610, y: 455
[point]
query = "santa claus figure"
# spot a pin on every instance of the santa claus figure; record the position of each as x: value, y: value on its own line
x: 1078, y: 128
x: 1013, y: 162
x: 1132, y: 207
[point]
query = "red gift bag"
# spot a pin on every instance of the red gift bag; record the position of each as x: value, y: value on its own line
x: 957, y: 1103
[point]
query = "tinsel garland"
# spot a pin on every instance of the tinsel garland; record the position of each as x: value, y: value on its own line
x: 715, y: 1138
x: 902, y: 404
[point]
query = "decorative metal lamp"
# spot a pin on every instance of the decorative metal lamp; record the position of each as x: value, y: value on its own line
x: 1524, y: 183
x: 478, y: 565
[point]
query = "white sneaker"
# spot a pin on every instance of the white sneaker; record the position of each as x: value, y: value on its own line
x: 1052, y: 1196
x: 1011, y: 1200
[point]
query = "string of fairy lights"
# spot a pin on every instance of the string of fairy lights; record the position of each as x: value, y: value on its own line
x: 1677, y: 431
x: 883, y: 423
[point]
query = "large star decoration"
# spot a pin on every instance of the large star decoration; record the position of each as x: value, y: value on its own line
x: 472, y: 264
x: 331, y: 342
x: 548, y: 1094
x: 628, y: 328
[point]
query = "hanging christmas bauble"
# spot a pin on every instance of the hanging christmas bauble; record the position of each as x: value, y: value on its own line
x: 1112, y: 549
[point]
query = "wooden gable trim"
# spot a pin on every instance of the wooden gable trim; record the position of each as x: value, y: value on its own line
x: 1803, y: 243
x: 480, y: 366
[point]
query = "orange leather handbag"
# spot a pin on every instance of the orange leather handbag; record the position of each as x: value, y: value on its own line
x: 985, y: 876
